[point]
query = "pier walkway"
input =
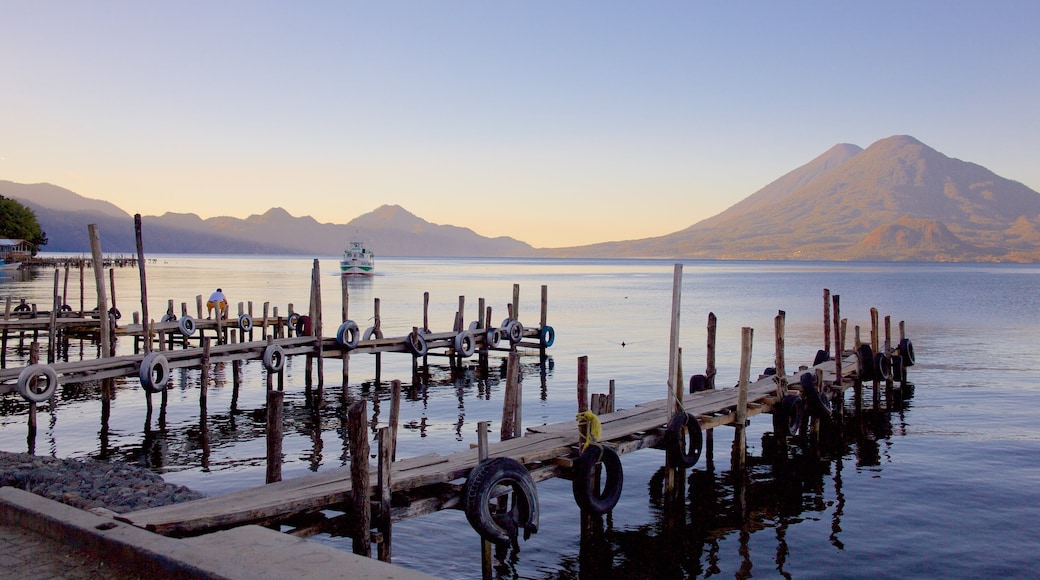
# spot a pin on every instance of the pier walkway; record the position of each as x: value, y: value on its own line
x: 431, y: 482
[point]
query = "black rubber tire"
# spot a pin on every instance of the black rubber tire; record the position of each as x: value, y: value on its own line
x: 816, y: 404
x: 586, y: 495
x: 680, y: 452
x: 115, y: 313
x: 168, y: 318
x: 501, y: 528
x: 865, y: 363
x: 492, y: 337
x: 698, y: 383
x: 187, y: 325
x: 821, y: 357
x: 29, y: 380
x: 515, y: 332
x: 547, y: 336
x: 245, y: 322
x: 66, y: 308
x: 787, y: 416
x: 882, y: 367
x: 906, y: 350
x: 293, y: 320
x: 417, y: 343
x: 303, y: 326
x: 274, y: 358
x: 348, y: 335
x: 465, y: 344
x: 897, y: 367
x: 154, y: 372
x: 23, y: 308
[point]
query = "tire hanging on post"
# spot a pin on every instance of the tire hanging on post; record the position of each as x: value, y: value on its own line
x: 501, y: 528
x: 29, y: 382
x: 586, y: 493
x: 154, y: 372
x: 683, y: 439
x: 274, y: 358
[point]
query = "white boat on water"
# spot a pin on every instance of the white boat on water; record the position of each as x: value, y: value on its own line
x: 5, y: 265
x: 357, y: 261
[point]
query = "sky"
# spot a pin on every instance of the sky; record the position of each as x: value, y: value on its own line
x: 555, y: 123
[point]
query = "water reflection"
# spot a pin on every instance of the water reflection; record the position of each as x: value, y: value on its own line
x: 691, y: 528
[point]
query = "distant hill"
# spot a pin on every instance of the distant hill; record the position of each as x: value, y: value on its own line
x: 896, y: 200
x: 390, y: 230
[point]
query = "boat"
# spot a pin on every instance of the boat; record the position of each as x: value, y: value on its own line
x: 5, y: 265
x: 357, y: 261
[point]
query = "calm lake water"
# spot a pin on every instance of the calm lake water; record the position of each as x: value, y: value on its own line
x: 947, y: 487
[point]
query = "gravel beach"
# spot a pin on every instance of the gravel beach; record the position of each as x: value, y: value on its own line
x: 89, y: 484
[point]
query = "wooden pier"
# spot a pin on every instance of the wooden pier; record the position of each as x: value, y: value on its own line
x: 585, y: 449
x: 370, y: 500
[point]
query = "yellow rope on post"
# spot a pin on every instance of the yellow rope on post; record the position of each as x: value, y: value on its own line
x: 589, y: 428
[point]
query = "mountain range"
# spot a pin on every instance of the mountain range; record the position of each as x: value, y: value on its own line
x: 897, y: 200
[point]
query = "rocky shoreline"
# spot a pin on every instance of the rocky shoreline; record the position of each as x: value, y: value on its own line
x: 89, y: 484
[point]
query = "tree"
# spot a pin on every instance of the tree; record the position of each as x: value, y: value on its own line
x: 18, y: 222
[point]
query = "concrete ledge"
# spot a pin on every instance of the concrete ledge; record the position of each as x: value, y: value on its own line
x: 248, y: 552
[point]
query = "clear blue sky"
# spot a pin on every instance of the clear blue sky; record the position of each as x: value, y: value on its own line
x: 557, y: 123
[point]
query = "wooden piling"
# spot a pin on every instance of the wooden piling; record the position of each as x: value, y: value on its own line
x: 204, y: 380
x: 674, y: 393
x: 779, y: 363
x: 345, y: 315
x: 34, y: 358
x: 102, y: 294
x: 387, y: 442
x: 839, y: 339
x: 274, y: 434
x: 138, y: 236
x: 486, y: 562
x: 827, y: 322
x: 357, y: 433
x: 511, y: 401
x: 739, y: 455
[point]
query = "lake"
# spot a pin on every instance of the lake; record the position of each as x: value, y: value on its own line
x: 945, y: 487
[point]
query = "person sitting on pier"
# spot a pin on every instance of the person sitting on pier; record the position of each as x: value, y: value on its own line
x: 219, y: 301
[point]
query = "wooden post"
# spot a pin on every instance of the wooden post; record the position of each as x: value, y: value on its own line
x: 377, y: 324
x: 102, y: 294
x: 779, y: 362
x: 386, y: 450
x: 739, y: 455
x: 485, y: 546
x: 583, y: 384
x: 52, y: 342
x: 144, y: 282
x: 709, y: 367
x: 888, y: 356
x: 395, y: 414
x: 34, y: 358
x: 839, y: 339
x: 426, y: 311
x: 511, y: 401
x: 357, y: 432
x: 516, y: 302
x: 315, y: 313
x: 204, y: 381
x: 674, y: 389
x: 274, y: 433
x: 82, y: 287
x: 345, y: 297
x: 827, y: 321
x: 112, y: 285
x: 874, y: 340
